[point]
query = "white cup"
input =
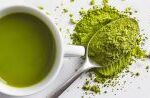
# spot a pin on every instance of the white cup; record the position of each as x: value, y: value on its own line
x: 61, y: 50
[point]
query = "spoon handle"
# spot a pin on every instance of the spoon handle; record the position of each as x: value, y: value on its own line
x: 68, y: 83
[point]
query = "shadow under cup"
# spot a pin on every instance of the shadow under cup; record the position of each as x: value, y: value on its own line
x: 30, y: 48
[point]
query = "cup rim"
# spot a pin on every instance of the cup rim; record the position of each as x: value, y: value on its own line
x: 16, y: 8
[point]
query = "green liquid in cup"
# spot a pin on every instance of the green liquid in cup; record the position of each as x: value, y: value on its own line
x: 27, y: 50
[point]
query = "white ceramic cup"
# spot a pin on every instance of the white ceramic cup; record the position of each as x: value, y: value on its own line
x: 61, y: 50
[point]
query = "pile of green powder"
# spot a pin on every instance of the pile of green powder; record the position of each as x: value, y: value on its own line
x: 113, y: 38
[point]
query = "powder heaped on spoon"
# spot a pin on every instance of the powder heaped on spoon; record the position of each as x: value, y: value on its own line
x: 116, y: 45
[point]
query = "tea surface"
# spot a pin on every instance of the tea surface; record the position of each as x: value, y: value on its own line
x: 27, y: 50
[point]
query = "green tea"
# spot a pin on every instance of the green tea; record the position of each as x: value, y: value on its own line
x: 27, y: 50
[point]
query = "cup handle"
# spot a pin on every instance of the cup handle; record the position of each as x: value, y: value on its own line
x: 74, y: 51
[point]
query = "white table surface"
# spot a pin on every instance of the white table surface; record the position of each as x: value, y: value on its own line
x: 134, y: 88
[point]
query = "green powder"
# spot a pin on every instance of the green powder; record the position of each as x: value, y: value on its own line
x: 72, y: 0
x: 93, y: 88
x: 115, y: 45
x: 92, y: 2
x: 65, y: 10
x: 91, y: 22
x: 41, y: 7
x: 115, y: 42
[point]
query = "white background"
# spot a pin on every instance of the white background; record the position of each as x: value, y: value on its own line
x: 134, y: 88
